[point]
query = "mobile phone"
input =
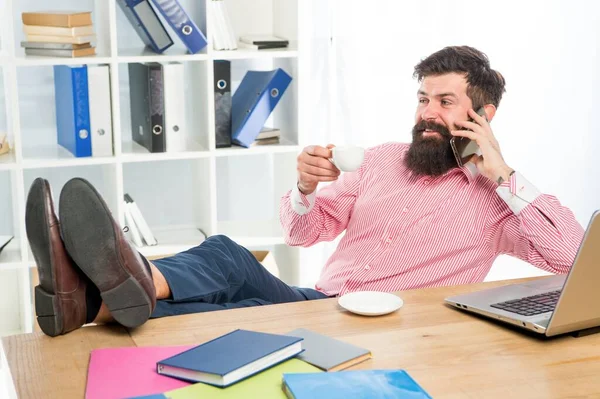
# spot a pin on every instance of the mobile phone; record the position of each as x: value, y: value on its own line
x: 463, y: 147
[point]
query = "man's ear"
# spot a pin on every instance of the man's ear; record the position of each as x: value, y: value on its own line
x: 490, y: 111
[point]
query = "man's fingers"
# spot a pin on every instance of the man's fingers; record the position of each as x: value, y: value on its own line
x: 317, y: 171
x: 481, y: 120
x: 318, y: 151
x: 316, y: 161
x: 466, y: 133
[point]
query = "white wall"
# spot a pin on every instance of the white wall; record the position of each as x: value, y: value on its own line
x: 547, y: 51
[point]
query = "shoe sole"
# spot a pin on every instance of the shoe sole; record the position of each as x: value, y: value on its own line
x: 47, y: 304
x: 90, y: 239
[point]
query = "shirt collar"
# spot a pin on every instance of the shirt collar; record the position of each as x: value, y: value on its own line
x: 470, y: 170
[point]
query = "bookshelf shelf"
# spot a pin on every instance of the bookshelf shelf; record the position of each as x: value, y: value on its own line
x: 133, y: 152
x: 52, y: 156
x: 283, y: 147
x: 203, y: 189
x: 31, y: 60
x: 148, y: 56
x: 239, y: 54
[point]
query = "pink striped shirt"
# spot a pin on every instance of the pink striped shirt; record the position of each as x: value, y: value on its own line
x: 404, y: 231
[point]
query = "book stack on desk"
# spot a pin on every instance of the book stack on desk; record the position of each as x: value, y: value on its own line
x: 58, y: 33
x: 238, y: 364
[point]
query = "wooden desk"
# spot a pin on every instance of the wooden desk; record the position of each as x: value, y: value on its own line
x: 450, y: 353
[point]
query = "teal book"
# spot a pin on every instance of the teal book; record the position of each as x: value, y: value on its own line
x: 363, y: 384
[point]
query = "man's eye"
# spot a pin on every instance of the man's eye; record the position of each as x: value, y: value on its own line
x: 422, y: 100
x: 446, y: 102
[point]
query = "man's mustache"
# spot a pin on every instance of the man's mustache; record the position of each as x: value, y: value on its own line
x: 428, y: 125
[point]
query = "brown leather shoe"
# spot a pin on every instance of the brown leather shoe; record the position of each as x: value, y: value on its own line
x: 65, y: 299
x: 97, y: 244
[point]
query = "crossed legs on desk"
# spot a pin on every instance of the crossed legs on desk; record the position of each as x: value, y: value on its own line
x: 216, y: 275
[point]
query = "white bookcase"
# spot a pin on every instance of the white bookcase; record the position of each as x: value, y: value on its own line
x: 233, y: 191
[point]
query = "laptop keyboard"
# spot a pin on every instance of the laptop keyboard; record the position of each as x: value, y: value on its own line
x: 530, y: 305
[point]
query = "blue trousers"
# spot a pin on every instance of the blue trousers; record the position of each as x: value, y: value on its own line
x: 220, y: 274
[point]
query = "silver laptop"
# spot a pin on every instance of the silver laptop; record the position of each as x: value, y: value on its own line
x: 551, y: 305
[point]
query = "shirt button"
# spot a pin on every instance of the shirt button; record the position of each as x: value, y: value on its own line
x: 426, y: 182
x: 405, y: 210
x: 389, y: 239
x: 367, y: 267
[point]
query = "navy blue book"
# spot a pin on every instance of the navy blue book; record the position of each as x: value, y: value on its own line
x: 73, y: 109
x: 231, y: 357
x: 256, y: 97
x: 367, y: 384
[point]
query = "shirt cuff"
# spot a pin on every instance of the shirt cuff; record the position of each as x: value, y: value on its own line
x: 302, y: 204
x: 517, y: 192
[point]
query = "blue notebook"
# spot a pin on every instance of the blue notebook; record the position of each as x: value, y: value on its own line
x: 256, y: 97
x: 231, y: 357
x: 73, y: 109
x: 367, y: 384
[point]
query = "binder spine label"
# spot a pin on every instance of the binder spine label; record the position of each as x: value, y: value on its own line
x: 83, y: 142
x: 157, y: 106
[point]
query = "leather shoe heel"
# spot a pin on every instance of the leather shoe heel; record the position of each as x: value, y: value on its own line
x: 98, y: 246
x: 65, y: 299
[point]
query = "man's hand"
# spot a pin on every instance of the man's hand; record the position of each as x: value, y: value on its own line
x: 490, y: 163
x: 314, y: 167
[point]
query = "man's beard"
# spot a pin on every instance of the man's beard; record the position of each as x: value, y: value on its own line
x: 430, y: 156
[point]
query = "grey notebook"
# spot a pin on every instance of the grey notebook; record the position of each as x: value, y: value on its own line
x: 328, y: 353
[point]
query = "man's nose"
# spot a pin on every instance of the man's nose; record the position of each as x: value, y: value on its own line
x: 430, y: 113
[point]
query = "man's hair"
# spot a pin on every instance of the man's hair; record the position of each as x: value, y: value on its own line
x: 484, y: 85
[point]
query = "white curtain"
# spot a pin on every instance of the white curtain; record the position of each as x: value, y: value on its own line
x: 547, y: 124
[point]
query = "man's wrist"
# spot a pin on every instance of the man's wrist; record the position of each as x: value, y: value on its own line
x: 304, y: 190
x: 504, y: 174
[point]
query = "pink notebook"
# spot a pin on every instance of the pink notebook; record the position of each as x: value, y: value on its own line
x: 127, y: 372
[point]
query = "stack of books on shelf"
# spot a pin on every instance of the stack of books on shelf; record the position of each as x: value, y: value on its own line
x: 268, y: 135
x: 58, y: 33
x: 222, y: 30
x: 262, y: 42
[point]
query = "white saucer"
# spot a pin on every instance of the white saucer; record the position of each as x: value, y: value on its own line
x: 370, y: 303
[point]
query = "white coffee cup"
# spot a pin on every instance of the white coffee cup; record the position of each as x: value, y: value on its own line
x: 347, y: 158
